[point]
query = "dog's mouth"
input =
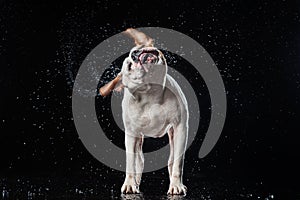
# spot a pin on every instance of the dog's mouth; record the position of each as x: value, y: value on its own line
x: 145, y: 56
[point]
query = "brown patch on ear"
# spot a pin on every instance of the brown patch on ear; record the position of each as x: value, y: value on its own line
x: 106, y: 89
x: 139, y: 37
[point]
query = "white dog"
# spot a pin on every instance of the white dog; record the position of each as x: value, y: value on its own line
x: 153, y: 104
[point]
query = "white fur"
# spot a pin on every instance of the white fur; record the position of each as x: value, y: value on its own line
x: 153, y: 105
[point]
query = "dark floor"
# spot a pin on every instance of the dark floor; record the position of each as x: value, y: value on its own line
x: 152, y: 188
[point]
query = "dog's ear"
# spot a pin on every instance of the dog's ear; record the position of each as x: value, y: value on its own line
x: 115, y: 84
x: 139, y: 37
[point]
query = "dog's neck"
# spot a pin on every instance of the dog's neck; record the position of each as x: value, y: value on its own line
x: 154, y: 94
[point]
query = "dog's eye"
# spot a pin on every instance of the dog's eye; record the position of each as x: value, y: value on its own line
x: 129, y: 66
x: 134, y: 57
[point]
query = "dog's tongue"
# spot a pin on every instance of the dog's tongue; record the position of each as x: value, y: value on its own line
x: 146, y: 58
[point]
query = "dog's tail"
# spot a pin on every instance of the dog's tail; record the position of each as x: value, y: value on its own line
x: 139, y: 37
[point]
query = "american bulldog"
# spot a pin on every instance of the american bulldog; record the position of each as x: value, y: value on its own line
x: 153, y: 105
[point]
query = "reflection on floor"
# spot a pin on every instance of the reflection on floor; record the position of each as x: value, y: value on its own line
x: 151, y: 187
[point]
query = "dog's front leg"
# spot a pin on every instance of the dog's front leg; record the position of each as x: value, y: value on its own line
x: 171, y: 157
x: 179, y: 139
x: 139, y: 160
x: 130, y: 185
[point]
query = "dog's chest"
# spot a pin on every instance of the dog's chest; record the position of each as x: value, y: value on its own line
x: 149, y: 119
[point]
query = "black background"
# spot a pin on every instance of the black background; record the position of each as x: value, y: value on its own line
x: 255, y: 45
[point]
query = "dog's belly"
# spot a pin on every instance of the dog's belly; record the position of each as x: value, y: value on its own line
x: 151, y: 122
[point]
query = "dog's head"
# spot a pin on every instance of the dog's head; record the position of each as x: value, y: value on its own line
x: 145, y: 64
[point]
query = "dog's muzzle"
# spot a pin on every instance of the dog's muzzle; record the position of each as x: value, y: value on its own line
x: 145, y: 56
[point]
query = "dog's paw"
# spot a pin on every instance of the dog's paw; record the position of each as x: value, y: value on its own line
x: 178, y: 189
x: 130, y: 189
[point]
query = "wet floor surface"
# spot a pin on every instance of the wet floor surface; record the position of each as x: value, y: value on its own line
x: 151, y: 188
